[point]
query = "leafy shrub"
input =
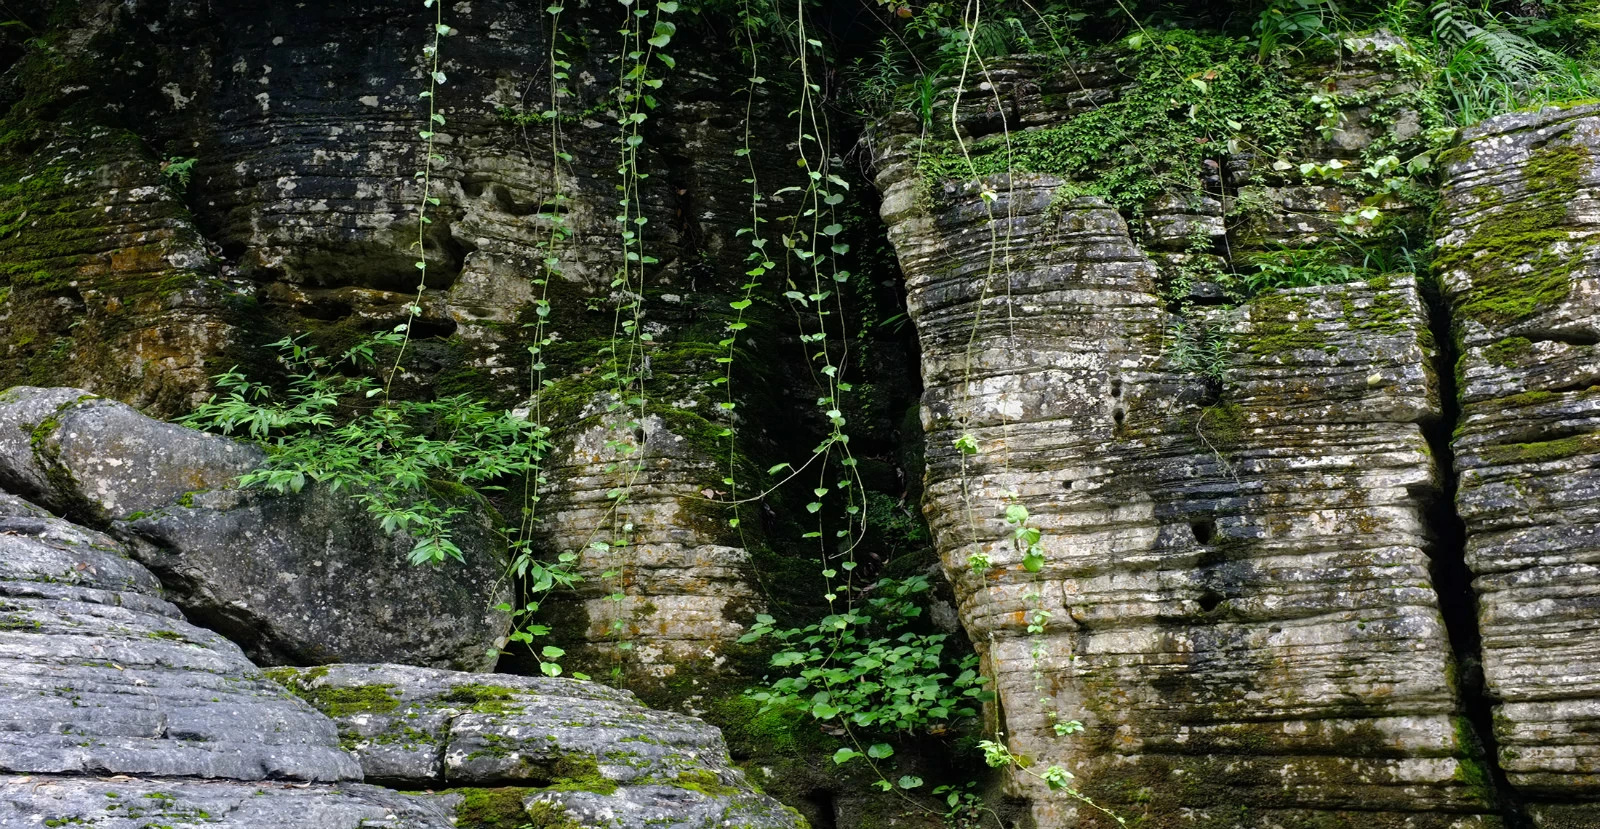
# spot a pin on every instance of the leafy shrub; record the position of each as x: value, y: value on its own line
x: 868, y: 669
x: 389, y: 455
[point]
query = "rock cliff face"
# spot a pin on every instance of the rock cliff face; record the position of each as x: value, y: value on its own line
x: 1309, y: 556
x: 299, y: 215
x: 1519, y: 257
x: 1245, y: 562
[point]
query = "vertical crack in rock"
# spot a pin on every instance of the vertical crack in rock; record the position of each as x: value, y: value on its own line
x: 1452, y: 578
x: 1517, y: 257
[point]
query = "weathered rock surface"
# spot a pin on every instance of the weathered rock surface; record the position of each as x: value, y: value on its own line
x: 300, y: 217
x: 32, y: 801
x: 100, y: 675
x: 670, y: 807
x: 592, y: 750
x: 95, y: 248
x: 101, y: 460
x: 673, y: 592
x: 302, y: 578
x: 1235, y: 595
x: 421, y: 726
x: 1519, y: 218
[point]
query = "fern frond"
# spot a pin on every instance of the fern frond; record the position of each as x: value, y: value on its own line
x: 1514, y: 53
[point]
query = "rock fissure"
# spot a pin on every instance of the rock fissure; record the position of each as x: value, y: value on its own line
x: 1447, y: 554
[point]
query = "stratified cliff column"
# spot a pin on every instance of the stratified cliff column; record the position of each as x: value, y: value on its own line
x: 1518, y: 223
x: 1235, y: 595
x: 298, y: 217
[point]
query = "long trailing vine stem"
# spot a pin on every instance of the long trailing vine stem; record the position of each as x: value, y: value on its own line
x: 424, y: 177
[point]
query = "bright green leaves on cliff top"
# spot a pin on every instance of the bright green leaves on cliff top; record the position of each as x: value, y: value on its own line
x: 1193, y: 97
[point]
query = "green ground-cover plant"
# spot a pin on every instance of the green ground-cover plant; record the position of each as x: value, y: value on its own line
x: 872, y: 667
x: 1194, y: 96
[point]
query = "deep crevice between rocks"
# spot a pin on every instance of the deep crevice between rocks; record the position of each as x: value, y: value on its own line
x: 1452, y: 579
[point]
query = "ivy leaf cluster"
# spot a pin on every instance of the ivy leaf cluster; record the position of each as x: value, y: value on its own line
x: 867, y: 669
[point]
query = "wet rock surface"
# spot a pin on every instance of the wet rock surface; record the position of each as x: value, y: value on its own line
x: 1520, y: 209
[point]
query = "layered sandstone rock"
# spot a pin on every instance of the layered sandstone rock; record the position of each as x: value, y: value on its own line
x: 1518, y: 253
x: 1235, y: 594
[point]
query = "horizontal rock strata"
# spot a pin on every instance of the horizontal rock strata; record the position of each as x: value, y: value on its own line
x: 1235, y: 593
x: 1519, y: 221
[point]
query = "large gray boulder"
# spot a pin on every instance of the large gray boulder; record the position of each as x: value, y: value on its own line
x: 99, y: 675
x: 302, y: 578
x: 590, y: 751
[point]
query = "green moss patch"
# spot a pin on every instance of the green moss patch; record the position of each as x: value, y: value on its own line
x: 1519, y: 259
x: 1543, y: 451
x: 335, y: 701
x: 1509, y: 352
x: 492, y: 808
x: 483, y: 699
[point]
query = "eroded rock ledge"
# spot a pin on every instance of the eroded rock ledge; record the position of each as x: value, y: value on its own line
x: 1519, y: 220
x: 116, y: 712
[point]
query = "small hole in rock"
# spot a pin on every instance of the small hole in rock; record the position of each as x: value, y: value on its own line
x: 1210, y: 600
x: 1204, y: 530
x: 1117, y: 416
x: 1116, y: 387
x: 822, y: 811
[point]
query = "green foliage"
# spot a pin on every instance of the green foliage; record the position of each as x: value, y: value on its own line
x: 1293, y: 23
x: 965, y: 808
x: 1491, y: 64
x: 869, y: 669
x: 997, y: 755
x: 1197, y: 349
x: 1194, y: 97
x: 178, y: 170
x: 389, y: 456
x: 1301, y: 267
